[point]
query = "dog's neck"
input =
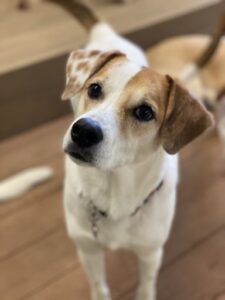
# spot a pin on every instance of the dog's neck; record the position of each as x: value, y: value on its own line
x: 120, y: 191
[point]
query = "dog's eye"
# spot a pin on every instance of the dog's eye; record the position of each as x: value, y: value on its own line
x: 95, y: 91
x: 144, y: 113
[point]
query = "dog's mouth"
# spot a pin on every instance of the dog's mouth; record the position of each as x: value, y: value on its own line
x: 77, y: 155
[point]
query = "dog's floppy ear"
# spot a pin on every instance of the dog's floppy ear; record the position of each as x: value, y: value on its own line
x: 185, y: 118
x: 82, y: 64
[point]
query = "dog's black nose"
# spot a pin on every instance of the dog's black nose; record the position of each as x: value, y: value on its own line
x: 86, y: 133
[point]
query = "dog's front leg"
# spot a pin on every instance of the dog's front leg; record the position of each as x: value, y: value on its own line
x: 149, y: 267
x: 92, y: 258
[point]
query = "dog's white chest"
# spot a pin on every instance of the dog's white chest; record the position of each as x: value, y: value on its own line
x: 149, y: 224
x: 119, y: 196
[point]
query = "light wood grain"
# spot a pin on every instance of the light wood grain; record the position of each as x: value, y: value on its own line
x: 198, y: 275
x: 201, y: 195
x: 46, y: 31
x: 40, y: 145
x: 31, y: 269
x: 49, y: 210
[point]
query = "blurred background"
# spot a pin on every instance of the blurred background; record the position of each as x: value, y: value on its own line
x: 37, y: 260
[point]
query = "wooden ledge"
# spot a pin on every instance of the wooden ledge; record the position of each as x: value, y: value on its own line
x: 47, y: 31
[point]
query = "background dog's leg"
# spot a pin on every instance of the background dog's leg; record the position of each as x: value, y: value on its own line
x: 149, y: 267
x: 92, y: 258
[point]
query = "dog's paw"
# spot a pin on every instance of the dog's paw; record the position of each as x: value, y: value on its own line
x: 102, y: 294
x: 145, y: 295
x: 101, y: 297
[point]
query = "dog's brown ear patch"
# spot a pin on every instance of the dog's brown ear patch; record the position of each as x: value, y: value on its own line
x: 82, y: 64
x: 185, y: 118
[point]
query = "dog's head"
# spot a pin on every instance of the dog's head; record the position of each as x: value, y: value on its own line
x: 124, y: 112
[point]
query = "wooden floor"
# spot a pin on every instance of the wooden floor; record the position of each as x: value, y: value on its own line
x: 39, y: 262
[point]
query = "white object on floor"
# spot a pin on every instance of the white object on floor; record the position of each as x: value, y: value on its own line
x: 18, y: 184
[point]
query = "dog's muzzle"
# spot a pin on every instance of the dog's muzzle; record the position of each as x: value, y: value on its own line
x: 85, y: 135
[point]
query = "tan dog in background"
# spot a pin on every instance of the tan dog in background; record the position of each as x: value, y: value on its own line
x: 173, y: 54
x: 208, y: 84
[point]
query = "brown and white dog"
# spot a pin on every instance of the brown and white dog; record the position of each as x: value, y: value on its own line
x: 121, y: 152
x: 121, y: 162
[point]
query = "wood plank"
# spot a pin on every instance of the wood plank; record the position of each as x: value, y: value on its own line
x: 72, y: 285
x: 42, y: 262
x: 200, y: 206
x: 121, y: 268
x: 32, y: 148
x: 42, y: 191
x: 25, y: 226
x: 199, y: 275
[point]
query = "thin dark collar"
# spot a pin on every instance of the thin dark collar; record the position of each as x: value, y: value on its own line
x: 104, y: 214
x: 146, y: 201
